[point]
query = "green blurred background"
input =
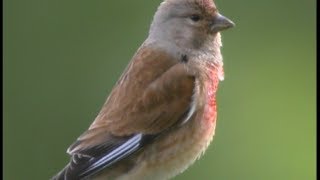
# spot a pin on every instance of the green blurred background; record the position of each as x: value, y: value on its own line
x: 61, y: 59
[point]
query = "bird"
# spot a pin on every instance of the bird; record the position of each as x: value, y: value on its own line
x: 161, y: 114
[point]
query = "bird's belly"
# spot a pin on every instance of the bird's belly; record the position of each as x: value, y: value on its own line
x: 177, y: 150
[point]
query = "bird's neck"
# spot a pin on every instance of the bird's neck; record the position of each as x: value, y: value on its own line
x: 209, y: 51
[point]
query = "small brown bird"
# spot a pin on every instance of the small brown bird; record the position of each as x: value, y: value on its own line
x: 161, y: 114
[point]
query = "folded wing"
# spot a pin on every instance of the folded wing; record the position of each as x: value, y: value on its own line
x: 153, y: 95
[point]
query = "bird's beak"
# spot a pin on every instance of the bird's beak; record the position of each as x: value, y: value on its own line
x: 220, y: 23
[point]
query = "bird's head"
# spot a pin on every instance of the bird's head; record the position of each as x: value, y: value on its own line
x: 188, y: 23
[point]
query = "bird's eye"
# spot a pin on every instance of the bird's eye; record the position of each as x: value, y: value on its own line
x: 195, y: 17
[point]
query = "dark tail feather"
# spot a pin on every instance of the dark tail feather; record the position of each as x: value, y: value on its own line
x: 63, y: 174
x: 74, y: 169
x: 67, y: 173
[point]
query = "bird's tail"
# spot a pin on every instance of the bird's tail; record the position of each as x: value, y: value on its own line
x: 66, y: 174
x: 62, y: 175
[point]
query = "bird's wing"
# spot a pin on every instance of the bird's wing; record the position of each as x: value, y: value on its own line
x: 153, y: 95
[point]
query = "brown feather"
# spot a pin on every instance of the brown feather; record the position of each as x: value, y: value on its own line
x: 152, y: 94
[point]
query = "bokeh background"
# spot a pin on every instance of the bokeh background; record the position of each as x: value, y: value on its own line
x: 61, y: 59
